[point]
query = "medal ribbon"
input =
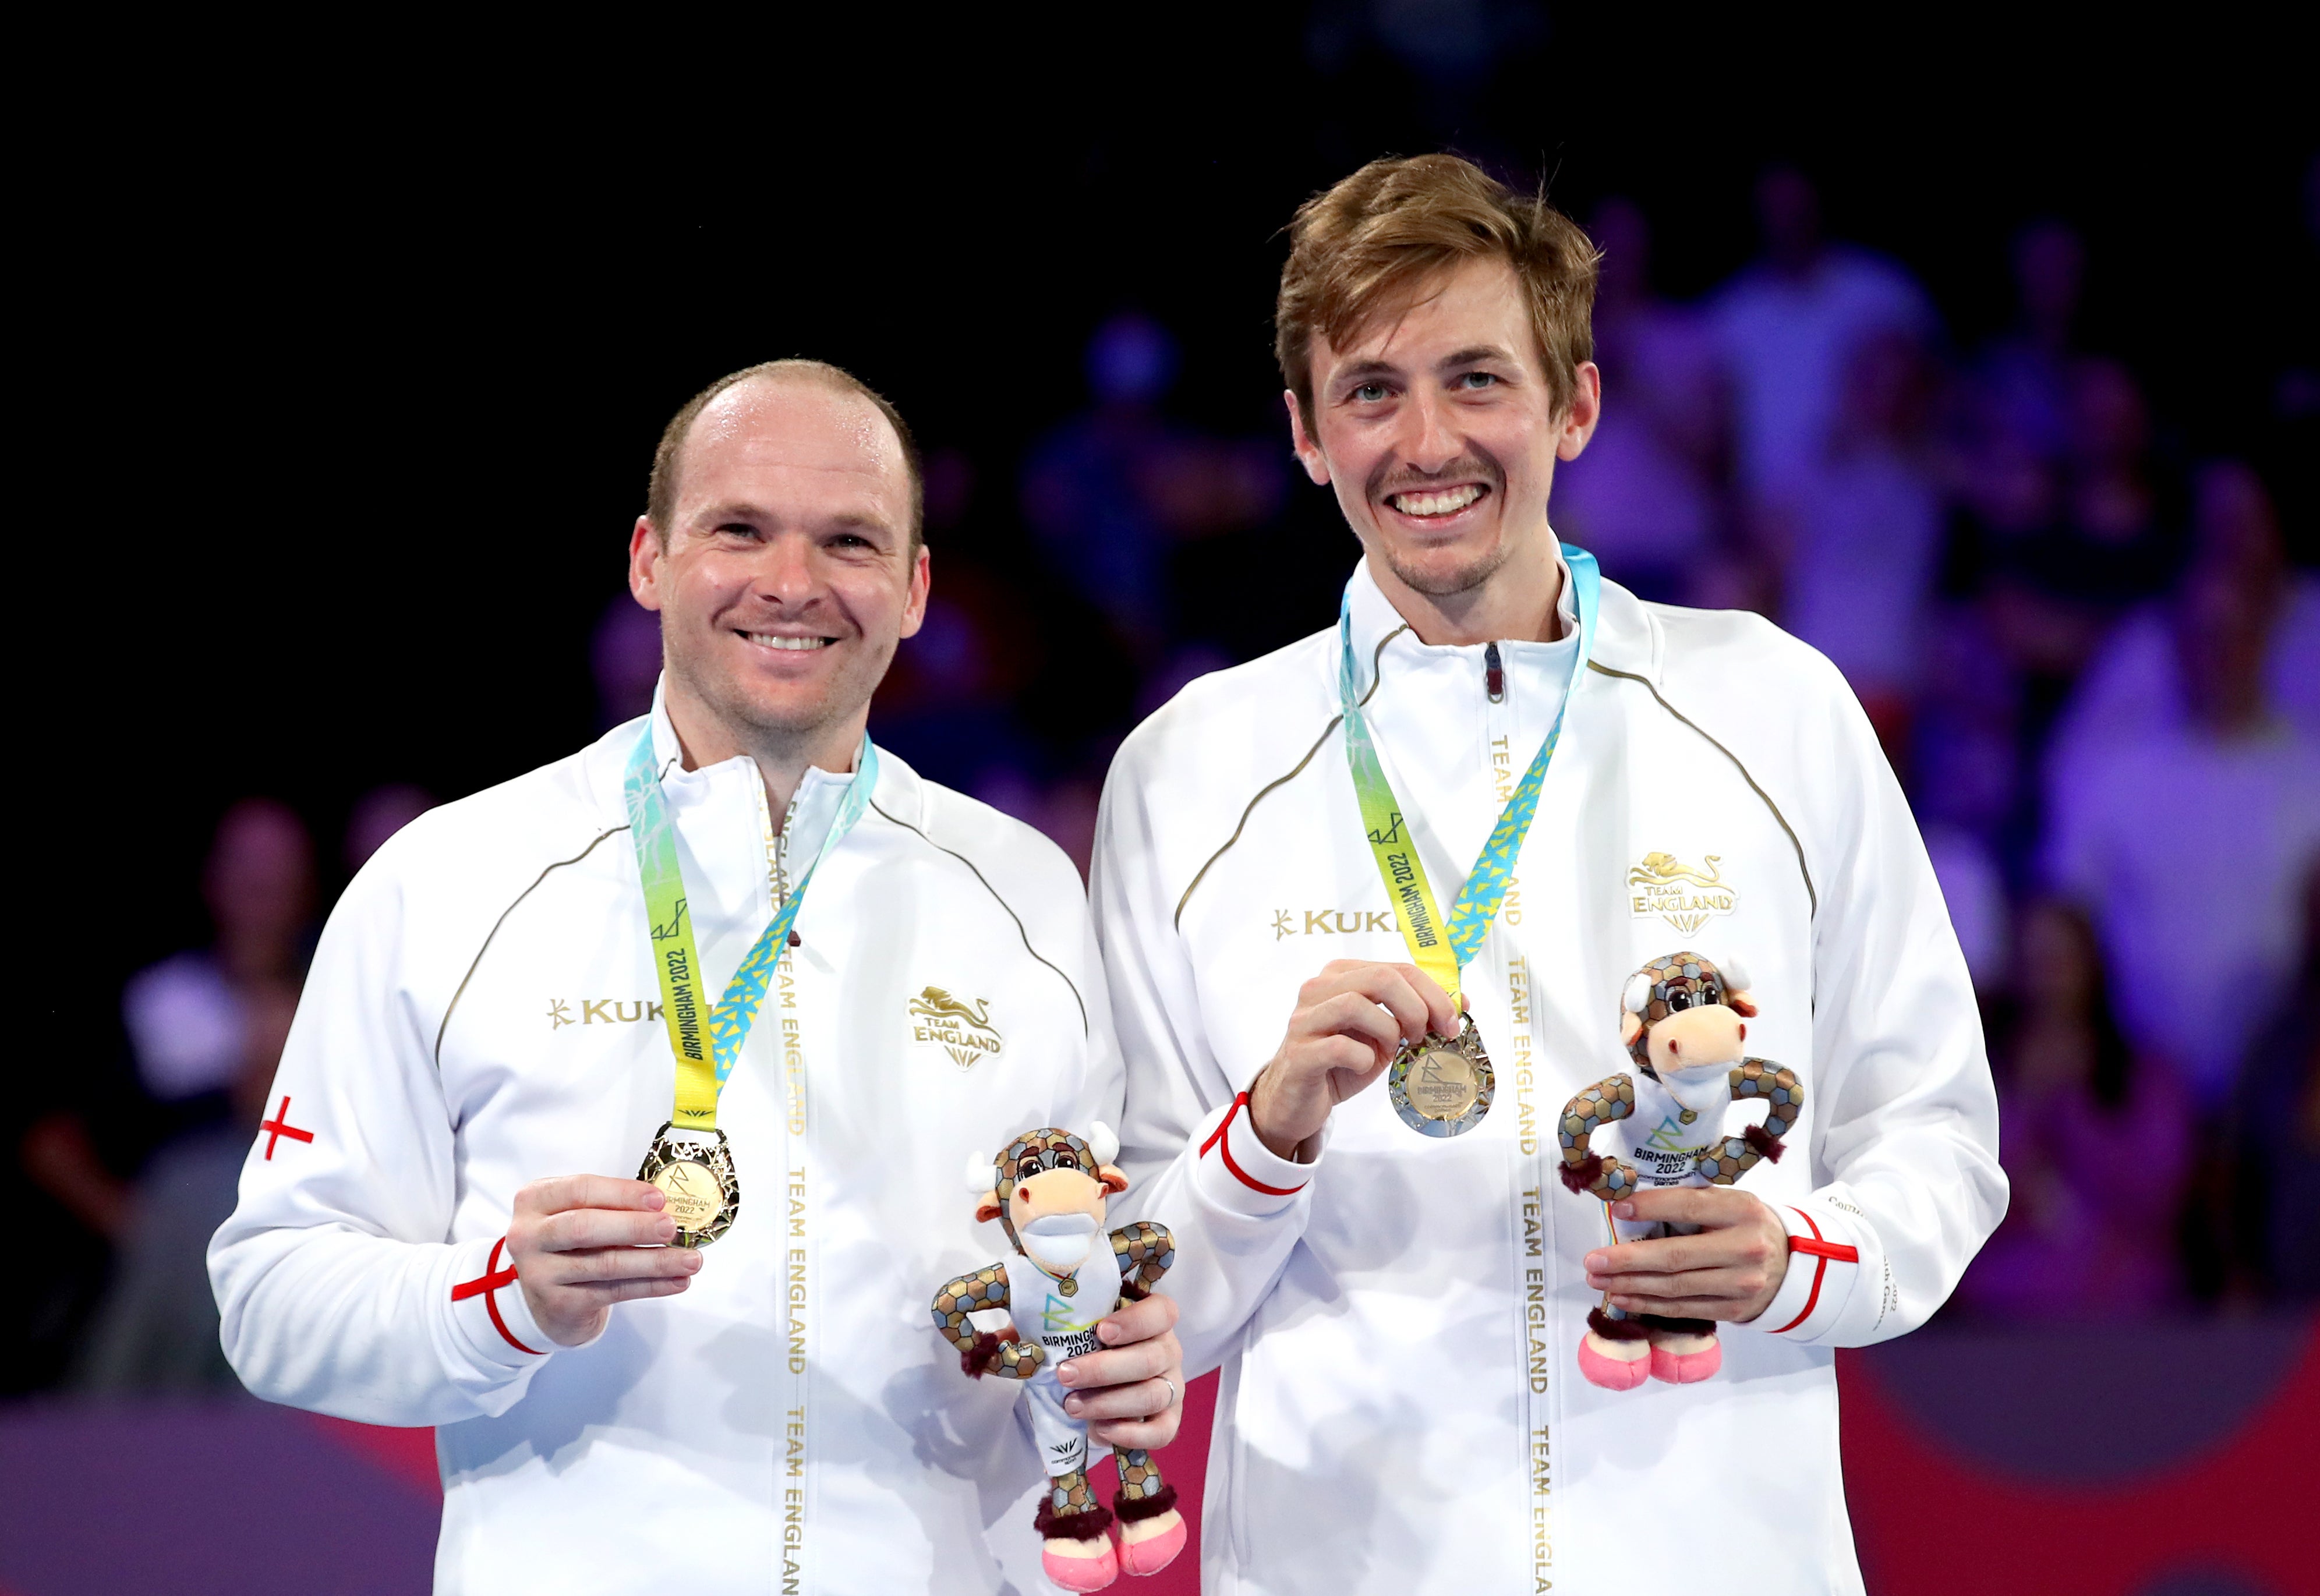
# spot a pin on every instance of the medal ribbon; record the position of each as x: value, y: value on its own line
x: 1441, y: 949
x: 708, y: 1042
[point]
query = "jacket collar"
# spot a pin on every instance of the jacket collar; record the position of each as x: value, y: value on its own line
x: 813, y: 809
x: 1626, y: 639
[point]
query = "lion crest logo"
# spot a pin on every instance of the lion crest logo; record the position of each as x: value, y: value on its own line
x: 962, y: 1031
x: 1663, y: 886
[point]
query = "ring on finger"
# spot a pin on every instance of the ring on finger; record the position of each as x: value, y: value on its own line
x: 1175, y: 1392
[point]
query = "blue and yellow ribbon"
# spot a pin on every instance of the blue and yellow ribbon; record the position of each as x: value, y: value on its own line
x: 707, y: 1041
x: 1440, y: 948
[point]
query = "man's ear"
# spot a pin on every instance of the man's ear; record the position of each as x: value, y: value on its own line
x: 914, y: 607
x: 645, y: 552
x: 1308, y: 453
x: 1631, y: 1026
x: 986, y: 1208
x: 1586, y: 410
x: 1112, y: 1181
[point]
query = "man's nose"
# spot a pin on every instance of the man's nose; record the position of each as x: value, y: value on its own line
x: 784, y: 573
x: 1430, y: 440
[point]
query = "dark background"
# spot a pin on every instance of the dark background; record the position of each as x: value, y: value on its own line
x: 366, y: 364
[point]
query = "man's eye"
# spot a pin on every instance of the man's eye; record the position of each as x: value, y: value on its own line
x: 1478, y: 379
x: 1369, y: 393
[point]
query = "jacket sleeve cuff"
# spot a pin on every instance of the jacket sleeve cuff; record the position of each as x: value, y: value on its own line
x: 489, y: 1311
x: 1238, y: 1173
x: 1827, y: 1251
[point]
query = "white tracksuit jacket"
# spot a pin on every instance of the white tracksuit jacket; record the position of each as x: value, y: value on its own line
x: 482, y: 1012
x: 1398, y: 1323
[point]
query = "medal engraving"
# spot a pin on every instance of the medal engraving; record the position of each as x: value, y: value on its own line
x: 693, y: 1200
x: 1069, y: 1285
x: 1441, y: 1084
x: 1442, y: 1087
x: 695, y: 1174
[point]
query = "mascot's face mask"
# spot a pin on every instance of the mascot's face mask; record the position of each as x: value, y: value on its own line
x: 1050, y: 1194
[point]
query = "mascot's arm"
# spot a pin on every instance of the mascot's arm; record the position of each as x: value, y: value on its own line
x: 1143, y: 1251
x: 1605, y: 1102
x: 980, y: 1352
x: 1735, y: 1156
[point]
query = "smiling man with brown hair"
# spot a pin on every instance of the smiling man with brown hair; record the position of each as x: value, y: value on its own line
x: 441, y: 1229
x: 1440, y: 839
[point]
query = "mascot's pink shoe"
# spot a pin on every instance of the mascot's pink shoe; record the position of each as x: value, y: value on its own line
x: 1074, y: 1572
x: 1148, y: 1530
x: 1613, y: 1374
x: 1163, y: 1539
x: 1686, y: 1368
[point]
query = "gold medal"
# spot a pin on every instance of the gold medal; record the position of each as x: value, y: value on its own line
x: 1442, y: 1087
x: 695, y: 1174
x: 1069, y: 1285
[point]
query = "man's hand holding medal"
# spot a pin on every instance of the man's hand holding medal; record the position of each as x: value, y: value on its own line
x: 1351, y: 1021
x: 581, y: 1243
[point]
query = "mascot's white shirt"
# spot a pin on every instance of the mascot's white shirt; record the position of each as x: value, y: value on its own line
x: 1064, y: 1325
x: 482, y: 1012
x: 1398, y: 1323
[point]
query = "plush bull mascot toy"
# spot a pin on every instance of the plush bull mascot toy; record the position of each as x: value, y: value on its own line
x: 1684, y: 1022
x: 1048, y: 1190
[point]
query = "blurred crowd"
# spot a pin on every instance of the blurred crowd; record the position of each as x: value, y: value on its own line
x: 2096, y: 672
x: 2091, y: 660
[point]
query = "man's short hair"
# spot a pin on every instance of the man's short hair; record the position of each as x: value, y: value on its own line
x: 1362, y: 245
x: 660, y: 495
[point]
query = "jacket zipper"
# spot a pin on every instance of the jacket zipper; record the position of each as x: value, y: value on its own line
x: 1494, y: 675
x: 782, y: 869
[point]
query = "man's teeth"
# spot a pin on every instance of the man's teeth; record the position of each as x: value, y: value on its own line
x: 1442, y: 503
x: 768, y: 641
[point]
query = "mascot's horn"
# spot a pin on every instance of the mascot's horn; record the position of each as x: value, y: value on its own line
x: 1638, y: 995
x: 1735, y: 979
x: 1102, y: 1143
x: 981, y: 1176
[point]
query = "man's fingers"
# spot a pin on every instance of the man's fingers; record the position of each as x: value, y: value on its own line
x: 1395, y: 988
x: 1441, y: 1007
x: 1348, y: 1056
x: 1415, y: 999
x: 1146, y: 1399
x: 1353, y: 1078
x: 1149, y: 1434
x: 1728, y: 1308
x: 1690, y: 1205
x: 1120, y: 1366
x: 1655, y: 1291
x: 1306, y: 1064
x: 1155, y: 1316
x: 1353, y: 1014
x: 630, y: 1291
x: 1672, y: 1254
x: 580, y: 1227
x: 610, y: 1265
x: 559, y: 1192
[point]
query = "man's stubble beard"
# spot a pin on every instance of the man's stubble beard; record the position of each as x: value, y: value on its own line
x: 761, y: 729
x: 1439, y: 585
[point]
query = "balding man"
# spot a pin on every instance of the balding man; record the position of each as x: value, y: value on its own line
x: 828, y: 983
